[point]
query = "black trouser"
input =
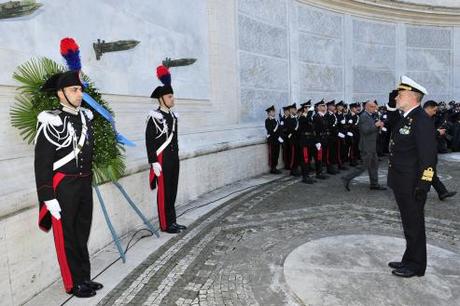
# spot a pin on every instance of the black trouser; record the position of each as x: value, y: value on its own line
x: 331, y: 150
x: 353, y: 149
x: 287, y: 154
x: 438, y: 185
x: 167, y: 187
x: 413, y: 222
x: 273, y: 154
x: 75, y: 196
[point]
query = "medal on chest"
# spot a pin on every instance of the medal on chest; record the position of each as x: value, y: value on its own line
x: 405, y: 130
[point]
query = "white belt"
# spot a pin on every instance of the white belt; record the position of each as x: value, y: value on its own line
x: 165, y: 144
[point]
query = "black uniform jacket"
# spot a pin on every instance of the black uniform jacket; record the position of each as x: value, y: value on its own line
x: 273, y: 130
x: 57, y: 133
x: 413, y: 151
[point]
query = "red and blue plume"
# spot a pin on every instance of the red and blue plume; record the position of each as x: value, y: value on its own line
x: 71, y: 53
x: 163, y: 75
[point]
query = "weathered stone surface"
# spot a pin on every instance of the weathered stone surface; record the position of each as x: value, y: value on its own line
x: 261, y: 38
x: 374, y: 56
x: 321, y: 50
x: 272, y: 11
x: 263, y: 72
x: 428, y: 37
x: 366, y: 80
x: 374, y: 32
x: 321, y: 78
x: 319, y: 21
x: 255, y: 101
x: 429, y: 59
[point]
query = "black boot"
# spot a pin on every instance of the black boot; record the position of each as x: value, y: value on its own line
x: 82, y: 291
x: 93, y: 285
x: 447, y: 194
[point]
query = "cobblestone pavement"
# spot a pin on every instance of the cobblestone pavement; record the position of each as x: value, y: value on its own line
x: 234, y: 255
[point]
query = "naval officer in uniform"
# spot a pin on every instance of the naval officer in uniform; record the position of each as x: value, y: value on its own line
x: 412, y: 166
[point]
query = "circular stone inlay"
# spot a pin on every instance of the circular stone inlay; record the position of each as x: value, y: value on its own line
x: 352, y: 270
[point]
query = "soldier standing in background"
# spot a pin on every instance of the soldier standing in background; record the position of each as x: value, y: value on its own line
x: 273, y: 139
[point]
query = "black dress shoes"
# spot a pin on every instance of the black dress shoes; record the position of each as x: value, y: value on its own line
x: 82, y: 291
x: 447, y: 194
x: 378, y: 187
x: 346, y: 183
x: 396, y: 264
x: 308, y: 180
x: 93, y: 285
x: 405, y: 272
x: 275, y: 171
x: 173, y: 230
x: 321, y: 176
x: 181, y: 227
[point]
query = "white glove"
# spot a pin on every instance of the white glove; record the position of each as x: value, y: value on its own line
x: 350, y: 134
x: 384, y: 129
x: 318, y: 146
x: 343, y: 121
x: 280, y: 140
x: 341, y: 135
x: 54, y: 208
x: 157, y: 168
x: 350, y: 121
x: 384, y: 116
x: 282, y: 123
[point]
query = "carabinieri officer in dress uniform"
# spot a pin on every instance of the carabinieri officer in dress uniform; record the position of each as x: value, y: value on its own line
x: 63, y: 163
x: 412, y: 166
x: 273, y: 139
x: 163, y: 153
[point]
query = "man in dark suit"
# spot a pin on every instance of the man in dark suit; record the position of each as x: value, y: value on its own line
x: 411, y: 168
x: 369, y: 126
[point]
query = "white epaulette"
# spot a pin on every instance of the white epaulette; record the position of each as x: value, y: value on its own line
x: 50, y: 117
x: 155, y: 114
x: 88, y: 113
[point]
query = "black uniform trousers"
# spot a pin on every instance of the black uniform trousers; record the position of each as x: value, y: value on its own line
x: 75, y: 196
x: 331, y: 150
x: 438, y: 185
x: 167, y: 187
x: 287, y: 153
x: 342, y: 151
x: 413, y: 222
x: 273, y: 153
x: 309, y: 153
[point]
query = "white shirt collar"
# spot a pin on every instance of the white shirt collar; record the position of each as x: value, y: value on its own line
x: 407, y: 113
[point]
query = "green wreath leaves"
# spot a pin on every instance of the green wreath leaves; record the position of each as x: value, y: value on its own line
x: 108, y: 158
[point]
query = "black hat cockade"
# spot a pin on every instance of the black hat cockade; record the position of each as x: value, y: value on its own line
x: 165, y: 77
x: 271, y: 108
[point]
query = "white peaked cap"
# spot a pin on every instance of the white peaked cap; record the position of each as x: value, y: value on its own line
x: 408, y: 84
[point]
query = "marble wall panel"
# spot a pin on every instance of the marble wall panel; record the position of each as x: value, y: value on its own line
x: 319, y: 21
x: 374, y: 32
x: 436, y: 82
x: 321, y: 50
x: 263, y: 72
x: 272, y: 11
x: 320, y: 78
x: 255, y: 101
x: 367, y: 80
x: 376, y: 56
x: 261, y: 38
x: 428, y: 37
x: 428, y: 59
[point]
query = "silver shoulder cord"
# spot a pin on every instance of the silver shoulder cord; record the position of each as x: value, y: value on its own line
x: 49, y: 129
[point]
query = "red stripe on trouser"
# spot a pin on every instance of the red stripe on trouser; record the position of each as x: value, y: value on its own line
x: 61, y: 255
x: 161, y: 197
x: 319, y: 154
x: 58, y: 234
x: 306, y: 158
x: 292, y: 155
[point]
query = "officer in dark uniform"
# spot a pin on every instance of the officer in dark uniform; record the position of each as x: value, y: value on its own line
x: 63, y: 174
x: 273, y: 139
x: 411, y: 168
x: 284, y: 134
x: 352, y: 137
x: 292, y: 126
x: 342, y: 147
x: 163, y: 153
x: 332, y: 132
x: 307, y: 142
x: 320, y: 127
